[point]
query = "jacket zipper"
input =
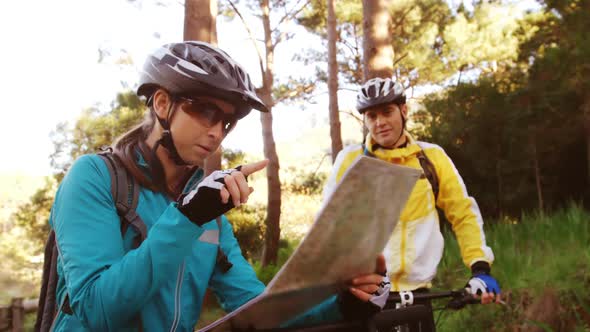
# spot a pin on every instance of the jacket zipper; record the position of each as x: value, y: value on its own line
x: 177, y: 309
x: 402, y: 267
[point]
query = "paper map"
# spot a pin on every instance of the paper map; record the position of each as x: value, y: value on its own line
x: 350, y: 230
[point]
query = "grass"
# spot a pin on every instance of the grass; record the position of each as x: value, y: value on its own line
x: 535, y: 256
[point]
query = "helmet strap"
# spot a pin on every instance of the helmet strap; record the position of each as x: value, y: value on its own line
x: 166, y: 139
x: 401, y: 134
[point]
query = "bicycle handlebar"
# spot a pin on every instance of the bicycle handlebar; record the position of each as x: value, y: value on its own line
x: 390, y: 316
x: 460, y: 298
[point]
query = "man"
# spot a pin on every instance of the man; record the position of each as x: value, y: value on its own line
x: 416, y: 245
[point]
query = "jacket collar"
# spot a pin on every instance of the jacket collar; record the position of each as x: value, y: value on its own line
x: 410, y: 149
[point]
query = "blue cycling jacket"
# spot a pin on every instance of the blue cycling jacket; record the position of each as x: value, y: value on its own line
x: 163, y: 282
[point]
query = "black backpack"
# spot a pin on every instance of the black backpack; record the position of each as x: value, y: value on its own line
x: 125, y: 192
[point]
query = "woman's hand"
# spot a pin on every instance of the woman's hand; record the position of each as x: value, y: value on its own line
x: 212, y: 196
x: 236, y: 186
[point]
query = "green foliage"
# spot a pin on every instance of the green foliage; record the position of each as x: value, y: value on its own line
x: 517, y: 136
x: 294, y: 90
x: 349, y: 45
x: 483, y: 39
x: 248, y: 225
x: 470, y: 119
x: 95, y: 129
x: 19, y: 268
x: 232, y: 158
x: 266, y: 273
x: 33, y: 216
x: 305, y: 182
x: 430, y: 42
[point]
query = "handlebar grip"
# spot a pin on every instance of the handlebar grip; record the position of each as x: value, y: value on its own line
x: 463, y: 300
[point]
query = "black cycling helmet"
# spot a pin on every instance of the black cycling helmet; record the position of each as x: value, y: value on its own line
x: 379, y: 91
x: 195, y: 67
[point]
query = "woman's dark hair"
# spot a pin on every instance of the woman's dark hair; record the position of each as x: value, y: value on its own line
x: 127, y: 147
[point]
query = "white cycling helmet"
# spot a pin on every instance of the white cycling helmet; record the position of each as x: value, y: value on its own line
x: 379, y: 91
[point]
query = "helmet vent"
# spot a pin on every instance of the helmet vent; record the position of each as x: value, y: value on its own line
x: 219, y: 59
x: 371, y: 92
x: 379, y: 91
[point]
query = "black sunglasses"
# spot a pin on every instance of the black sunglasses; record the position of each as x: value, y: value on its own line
x: 209, y: 114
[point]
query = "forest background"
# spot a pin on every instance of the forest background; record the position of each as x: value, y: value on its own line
x: 502, y: 86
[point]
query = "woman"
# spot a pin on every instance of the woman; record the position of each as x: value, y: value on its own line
x: 196, y: 94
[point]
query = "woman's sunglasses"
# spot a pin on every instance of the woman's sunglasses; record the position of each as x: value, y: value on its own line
x: 208, y: 113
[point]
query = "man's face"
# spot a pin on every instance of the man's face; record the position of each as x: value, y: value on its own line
x: 385, y: 124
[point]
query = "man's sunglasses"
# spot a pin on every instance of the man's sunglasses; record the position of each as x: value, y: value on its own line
x: 208, y: 113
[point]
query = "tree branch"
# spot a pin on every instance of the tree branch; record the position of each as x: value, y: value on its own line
x: 354, y: 116
x: 401, y: 18
x: 251, y: 35
x: 399, y: 59
x: 351, y: 47
x: 290, y: 15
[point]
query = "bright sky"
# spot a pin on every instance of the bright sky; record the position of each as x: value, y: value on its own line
x: 49, y: 68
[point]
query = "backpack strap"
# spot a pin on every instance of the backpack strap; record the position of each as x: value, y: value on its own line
x: 125, y: 192
x: 427, y: 168
x: 429, y: 172
x: 46, y: 308
x: 221, y: 259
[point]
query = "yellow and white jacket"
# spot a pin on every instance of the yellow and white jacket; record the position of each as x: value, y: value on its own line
x: 416, y: 245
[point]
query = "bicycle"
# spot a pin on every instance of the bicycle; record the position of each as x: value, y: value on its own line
x: 401, y: 311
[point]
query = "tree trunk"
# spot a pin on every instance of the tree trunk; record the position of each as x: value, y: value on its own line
x: 537, y: 175
x: 500, y: 194
x: 586, y: 112
x: 377, y: 47
x: 200, y: 24
x: 18, y: 315
x: 273, y: 216
x: 335, y: 133
x: 200, y: 20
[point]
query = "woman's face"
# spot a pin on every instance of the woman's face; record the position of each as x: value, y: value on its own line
x: 199, y: 125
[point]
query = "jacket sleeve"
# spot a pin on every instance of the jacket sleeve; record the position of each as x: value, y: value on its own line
x: 107, y: 287
x: 239, y: 284
x: 333, y: 178
x: 323, y: 313
x: 342, y: 162
x: 461, y: 210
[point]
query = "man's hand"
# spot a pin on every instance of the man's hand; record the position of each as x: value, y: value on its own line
x: 212, y: 196
x: 373, y: 287
x: 367, y: 294
x: 486, y: 287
